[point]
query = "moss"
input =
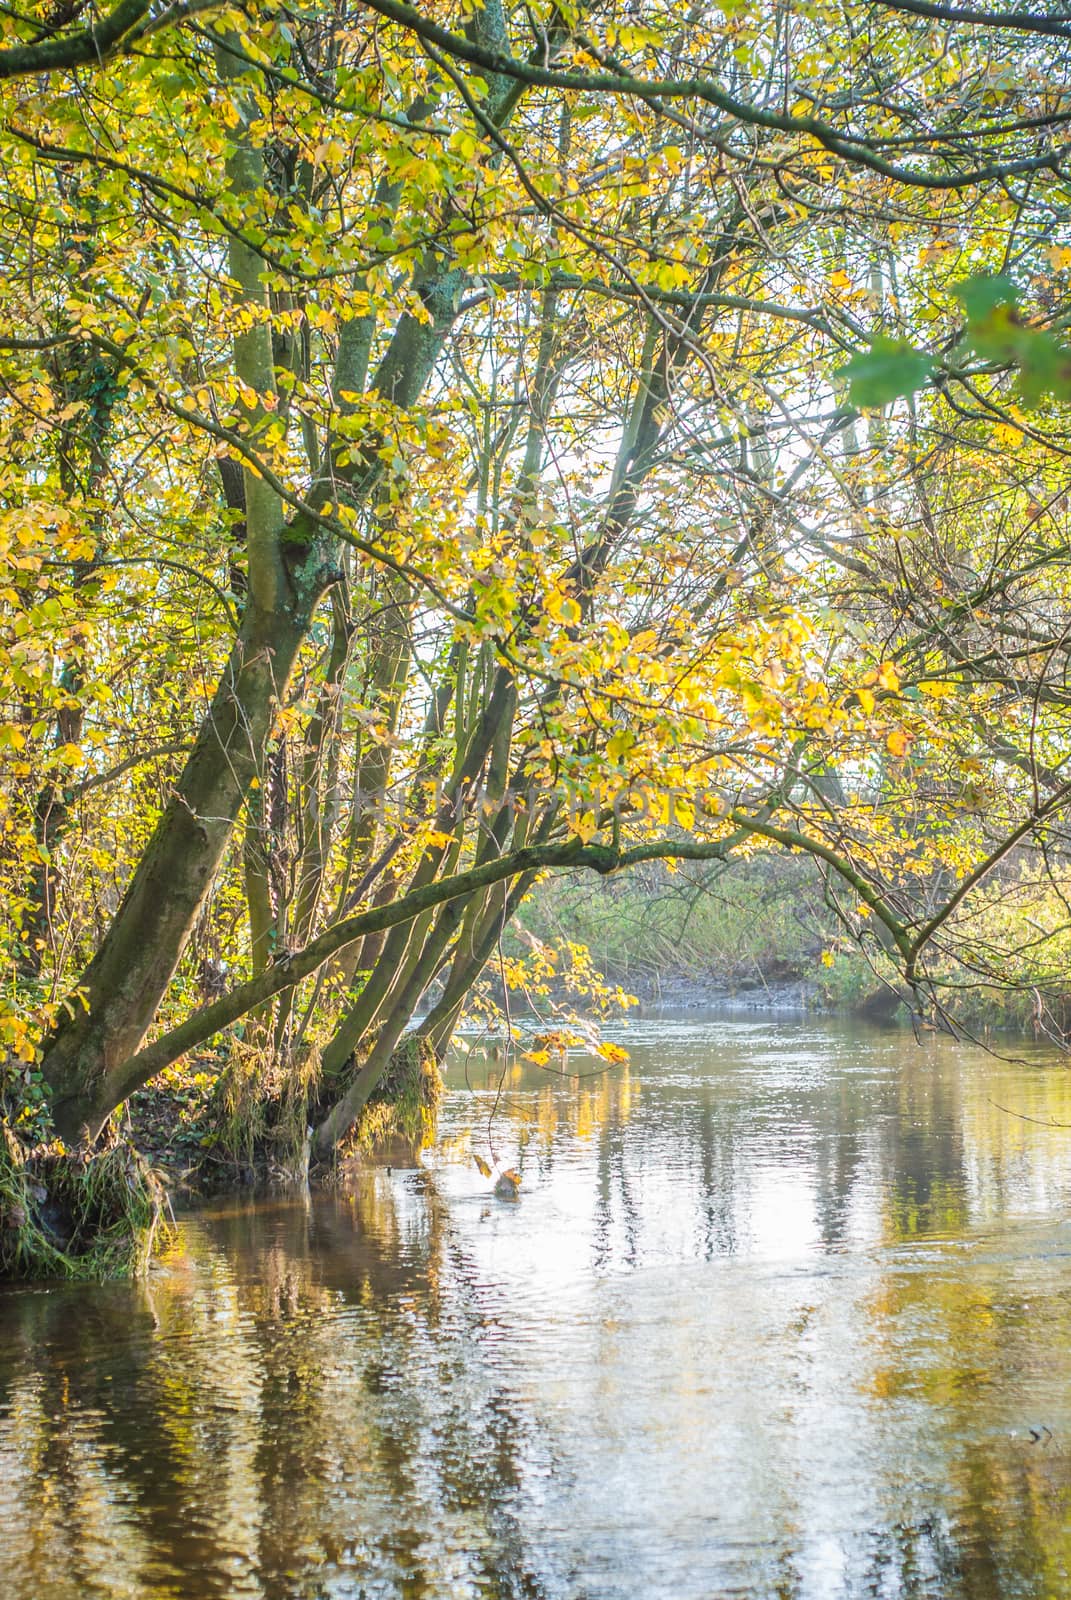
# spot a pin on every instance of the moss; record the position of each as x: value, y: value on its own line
x: 259, y: 1114
x: 77, y: 1214
x: 404, y: 1105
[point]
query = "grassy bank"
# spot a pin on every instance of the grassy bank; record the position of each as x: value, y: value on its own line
x: 763, y: 923
x: 766, y: 923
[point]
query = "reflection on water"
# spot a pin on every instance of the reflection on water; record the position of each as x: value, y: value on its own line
x: 782, y: 1310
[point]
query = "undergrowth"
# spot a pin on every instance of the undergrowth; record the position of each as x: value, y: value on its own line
x: 404, y: 1105
x: 97, y: 1213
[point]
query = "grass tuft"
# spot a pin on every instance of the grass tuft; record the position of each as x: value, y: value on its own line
x: 85, y: 1213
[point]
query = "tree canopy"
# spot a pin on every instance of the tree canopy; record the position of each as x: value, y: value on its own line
x: 445, y: 444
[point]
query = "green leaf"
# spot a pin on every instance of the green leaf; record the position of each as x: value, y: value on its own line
x: 1043, y: 363
x: 889, y: 369
x: 1045, y: 369
x: 981, y: 295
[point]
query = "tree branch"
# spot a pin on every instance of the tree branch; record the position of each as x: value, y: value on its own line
x: 300, y: 964
x: 1058, y: 27
x: 93, y: 45
x: 851, y: 148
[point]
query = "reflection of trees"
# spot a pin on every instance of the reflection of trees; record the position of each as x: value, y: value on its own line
x: 331, y: 1389
x: 903, y: 1131
x: 612, y: 1170
x: 722, y: 1181
x: 929, y: 1189
x: 56, y: 1517
x: 1004, y: 1524
x: 707, y: 1138
x: 328, y: 1413
x: 902, y: 1143
x: 973, y: 1340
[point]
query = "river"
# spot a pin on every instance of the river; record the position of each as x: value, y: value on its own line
x: 782, y: 1309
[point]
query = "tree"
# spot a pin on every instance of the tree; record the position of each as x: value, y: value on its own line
x: 430, y: 428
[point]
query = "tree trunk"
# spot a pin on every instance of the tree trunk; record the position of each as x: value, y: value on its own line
x: 123, y: 985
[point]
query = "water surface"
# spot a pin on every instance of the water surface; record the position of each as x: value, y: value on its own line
x: 782, y: 1310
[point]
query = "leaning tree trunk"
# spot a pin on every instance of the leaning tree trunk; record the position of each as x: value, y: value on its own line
x: 122, y: 987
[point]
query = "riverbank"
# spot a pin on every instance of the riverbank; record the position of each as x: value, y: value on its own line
x: 764, y: 938
x: 686, y: 991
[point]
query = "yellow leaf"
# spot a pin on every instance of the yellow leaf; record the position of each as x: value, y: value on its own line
x: 684, y: 811
x: 584, y: 827
x: 897, y: 742
x: 612, y: 1053
x: 562, y: 609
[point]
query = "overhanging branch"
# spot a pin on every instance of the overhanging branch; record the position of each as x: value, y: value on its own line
x: 94, y: 45
x: 854, y: 149
x: 300, y: 964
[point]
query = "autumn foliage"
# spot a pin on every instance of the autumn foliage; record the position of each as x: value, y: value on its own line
x: 447, y: 444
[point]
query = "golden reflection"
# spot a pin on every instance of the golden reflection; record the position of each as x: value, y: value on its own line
x: 980, y: 1336
x: 532, y: 1105
x: 772, y: 1295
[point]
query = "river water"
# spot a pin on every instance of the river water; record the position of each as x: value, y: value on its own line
x: 782, y: 1309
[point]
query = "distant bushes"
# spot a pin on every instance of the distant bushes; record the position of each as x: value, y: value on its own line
x: 763, y: 922
x: 766, y: 923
